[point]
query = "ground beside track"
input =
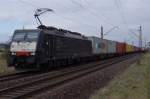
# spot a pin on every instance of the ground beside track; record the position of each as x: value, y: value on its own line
x: 3, y: 66
x: 83, y: 87
x: 134, y: 83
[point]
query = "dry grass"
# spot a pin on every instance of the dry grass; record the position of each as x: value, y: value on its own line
x: 134, y: 83
x: 3, y: 66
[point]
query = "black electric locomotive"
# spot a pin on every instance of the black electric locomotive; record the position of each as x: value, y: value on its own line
x: 46, y: 48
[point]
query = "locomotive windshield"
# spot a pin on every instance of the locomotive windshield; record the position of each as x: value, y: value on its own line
x: 29, y: 36
x: 18, y: 36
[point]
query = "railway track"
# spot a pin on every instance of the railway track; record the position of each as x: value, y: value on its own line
x: 16, y: 75
x: 21, y: 77
x: 50, y: 80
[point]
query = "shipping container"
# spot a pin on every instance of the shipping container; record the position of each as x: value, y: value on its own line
x: 120, y: 48
x: 111, y: 46
x: 129, y: 48
x: 135, y: 49
x: 99, y: 46
x: 139, y: 49
x: 132, y: 48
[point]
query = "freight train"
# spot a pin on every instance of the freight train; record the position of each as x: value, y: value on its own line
x: 50, y: 47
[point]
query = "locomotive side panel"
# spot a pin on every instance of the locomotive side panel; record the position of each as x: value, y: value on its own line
x: 71, y: 48
x: 60, y: 48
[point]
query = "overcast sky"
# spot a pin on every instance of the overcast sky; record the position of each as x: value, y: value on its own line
x: 84, y: 16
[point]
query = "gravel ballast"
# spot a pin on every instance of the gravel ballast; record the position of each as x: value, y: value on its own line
x: 83, y: 87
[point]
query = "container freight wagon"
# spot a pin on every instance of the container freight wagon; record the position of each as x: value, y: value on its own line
x: 129, y: 48
x: 132, y: 48
x: 120, y: 48
x: 103, y: 48
x: 136, y: 49
x: 99, y: 46
x: 111, y: 49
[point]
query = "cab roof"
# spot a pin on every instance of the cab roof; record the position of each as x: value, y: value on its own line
x: 27, y: 30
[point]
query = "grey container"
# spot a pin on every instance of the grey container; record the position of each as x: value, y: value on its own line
x: 99, y: 46
x: 111, y: 46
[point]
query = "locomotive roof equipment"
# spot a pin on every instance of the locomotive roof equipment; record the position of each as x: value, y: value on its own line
x: 38, y: 12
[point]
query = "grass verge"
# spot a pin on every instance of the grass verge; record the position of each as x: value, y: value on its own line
x: 133, y: 83
x: 3, y: 66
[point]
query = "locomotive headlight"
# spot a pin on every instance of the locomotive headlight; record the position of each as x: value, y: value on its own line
x: 33, y: 53
x: 13, y: 53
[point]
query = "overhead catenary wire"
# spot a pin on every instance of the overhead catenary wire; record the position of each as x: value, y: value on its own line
x: 29, y: 3
x: 119, y: 6
x: 71, y: 20
x: 138, y: 36
x: 91, y: 12
x: 83, y: 7
x: 121, y: 12
x: 106, y: 18
x: 66, y: 18
x: 134, y: 33
x: 144, y: 38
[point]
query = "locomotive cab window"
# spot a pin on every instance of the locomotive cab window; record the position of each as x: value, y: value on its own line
x: 18, y: 36
x: 32, y: 36
x: 29, y: 36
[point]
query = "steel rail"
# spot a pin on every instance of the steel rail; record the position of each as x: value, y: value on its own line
x: 30, y: 87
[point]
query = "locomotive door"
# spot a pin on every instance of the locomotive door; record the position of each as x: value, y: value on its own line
x: 49, y: 46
